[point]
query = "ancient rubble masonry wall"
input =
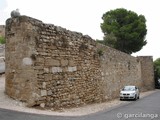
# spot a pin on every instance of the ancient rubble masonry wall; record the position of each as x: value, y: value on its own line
x: 68, y: 71
x: 147, y: 72
x: 52, y: 67
x: 21, y: 77
x: 118, y: 69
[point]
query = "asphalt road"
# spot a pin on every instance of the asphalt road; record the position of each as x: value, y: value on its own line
x: 147, y: 108
x: 2, y: 67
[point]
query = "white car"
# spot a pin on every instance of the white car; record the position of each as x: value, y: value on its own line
x: 129, y: 92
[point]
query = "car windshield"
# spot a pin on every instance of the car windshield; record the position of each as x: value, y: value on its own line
x: 128, y: 88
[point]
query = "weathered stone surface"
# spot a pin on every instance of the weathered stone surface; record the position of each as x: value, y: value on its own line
x: 43, y: 93
x: 47, y: 77
x: 44, y: 85
x: 72, y: 69
x: 49, y: 92
x: 56, y: 69
x: 71, y: 63
x: 64, y: 68
x: 52, y: 62
x: 27, y: 61
x: 42, y: 105
x: 64, y: 62
x: 46, y: 70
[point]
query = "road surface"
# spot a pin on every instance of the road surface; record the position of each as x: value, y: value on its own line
x: 2, y: 67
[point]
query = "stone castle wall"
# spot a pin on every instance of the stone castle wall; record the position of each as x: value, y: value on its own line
x: 147, y: 72
x: 118, y: 69
x: 50, y: 66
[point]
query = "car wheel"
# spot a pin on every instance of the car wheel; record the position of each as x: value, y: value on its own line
x: 138, y: 97
x: 135, y: 97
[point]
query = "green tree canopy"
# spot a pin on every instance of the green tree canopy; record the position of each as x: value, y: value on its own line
x: 124, y: 30
x: 157, y: 67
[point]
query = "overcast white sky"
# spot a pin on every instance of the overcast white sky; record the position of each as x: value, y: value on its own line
x: 85, y: 16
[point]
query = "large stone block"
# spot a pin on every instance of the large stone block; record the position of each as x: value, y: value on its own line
x: 43, y: 92
x: 72, y: 69
x: 52, y: 62
x: 56, y: 69
x: 64, y: 62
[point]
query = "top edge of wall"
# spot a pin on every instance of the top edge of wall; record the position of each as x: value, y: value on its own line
x: 24, y: 18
